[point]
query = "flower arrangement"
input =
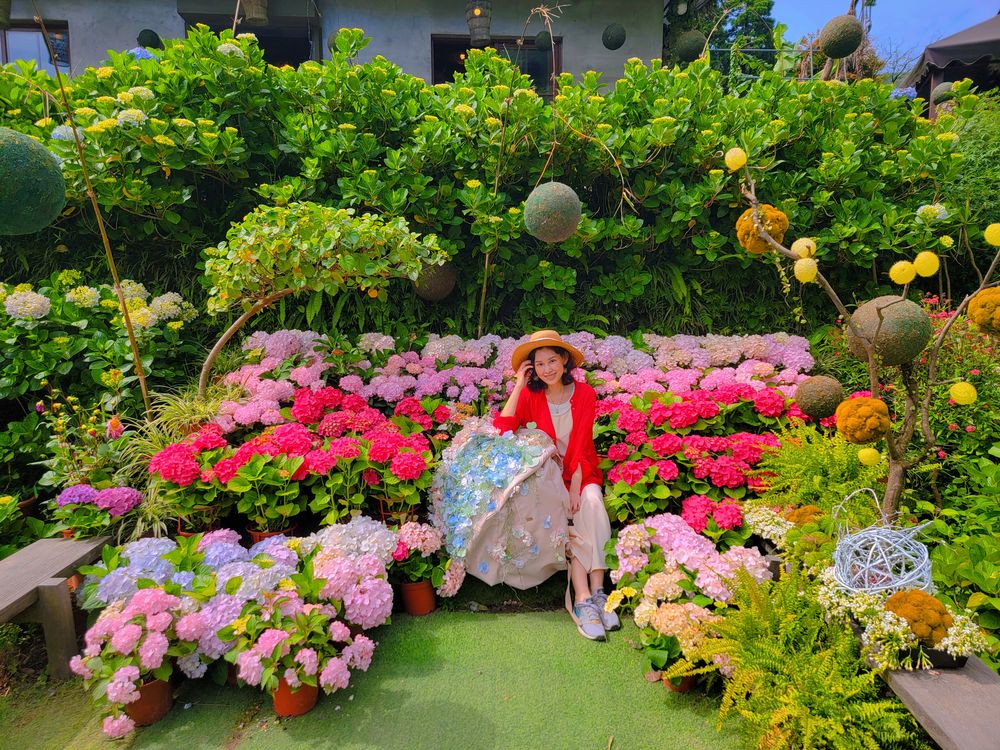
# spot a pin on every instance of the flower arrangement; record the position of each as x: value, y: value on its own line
x: 416, y: 555
x: 900, y: 627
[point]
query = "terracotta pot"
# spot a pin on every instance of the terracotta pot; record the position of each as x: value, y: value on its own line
x: 418, y: 597
x: 67, y: 533
x: 74, y: 582
x: 155, y: 700
x: 288, y: 702
x: 260, y: 536
x: 187, y: 534
x: 684, y: 685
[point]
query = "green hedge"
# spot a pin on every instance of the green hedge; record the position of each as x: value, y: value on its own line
x: 184, y: 146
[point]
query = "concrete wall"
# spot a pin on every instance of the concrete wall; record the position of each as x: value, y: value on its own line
x: 400, y: 29
x: 96, y: 26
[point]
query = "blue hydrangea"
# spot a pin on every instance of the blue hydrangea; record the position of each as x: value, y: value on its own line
x: 223, y: 553
x: 909, y: 93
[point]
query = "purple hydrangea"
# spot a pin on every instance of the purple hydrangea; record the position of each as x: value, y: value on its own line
x: 78, y: 494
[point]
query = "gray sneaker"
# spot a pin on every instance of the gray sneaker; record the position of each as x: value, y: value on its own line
x: 589, y: 620
x: 609, y: 619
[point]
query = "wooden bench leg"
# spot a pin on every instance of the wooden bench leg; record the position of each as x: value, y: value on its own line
x: 56, y: 610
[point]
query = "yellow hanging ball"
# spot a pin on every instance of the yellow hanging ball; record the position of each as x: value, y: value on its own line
x: 963, y: 393
x: 902, y: 272
x: 869, y: 456
x: 992, y: 234
x: 736, y: 158
x: 926, y: 263
x: 804, y: 247
x: 806, y: 270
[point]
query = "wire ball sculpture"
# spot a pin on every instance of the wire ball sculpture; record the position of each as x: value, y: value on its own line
x: 881, y: 557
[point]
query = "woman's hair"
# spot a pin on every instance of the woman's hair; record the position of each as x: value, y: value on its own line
x: 535, y: 383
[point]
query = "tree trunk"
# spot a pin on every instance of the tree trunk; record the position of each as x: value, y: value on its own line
x: 894, y: 484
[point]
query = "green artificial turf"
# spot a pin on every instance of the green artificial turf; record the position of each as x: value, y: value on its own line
x: 458, y: 680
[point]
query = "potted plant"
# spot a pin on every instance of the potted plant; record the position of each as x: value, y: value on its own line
x: 908, y: 629
x: 268, y: 494
x: 418, y: 566
x: 293, y: 644
x: 189, y: 482
x: 128, y: 659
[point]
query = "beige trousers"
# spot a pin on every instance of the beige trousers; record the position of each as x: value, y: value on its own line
x: 591, y: 529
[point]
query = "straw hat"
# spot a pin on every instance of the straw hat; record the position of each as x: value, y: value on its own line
x: 541, y: 339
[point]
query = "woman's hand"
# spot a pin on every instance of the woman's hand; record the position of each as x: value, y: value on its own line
x: 574, y: 503
x: 523, y: 373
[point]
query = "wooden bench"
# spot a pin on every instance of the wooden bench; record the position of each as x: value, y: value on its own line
x: 959, y: 708
x: 33, y: 589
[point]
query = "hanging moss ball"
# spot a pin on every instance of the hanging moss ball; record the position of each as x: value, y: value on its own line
x: 32, y: 188
x: 690, y: 45
x: 942, y: 93
x: 841, y: 36
x: 436, y: 282
x: 614, y: 36
x: 543, y: 41
x: 149, y: 39
x: 552, y: 212
x: 819, y: 396
x: 898, y: 328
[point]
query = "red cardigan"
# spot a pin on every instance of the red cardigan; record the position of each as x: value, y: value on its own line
x: 532, y: 406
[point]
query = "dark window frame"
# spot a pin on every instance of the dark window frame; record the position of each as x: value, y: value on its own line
x: 53, y: 27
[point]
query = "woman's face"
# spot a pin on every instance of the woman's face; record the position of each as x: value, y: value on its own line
x: 549, y: 365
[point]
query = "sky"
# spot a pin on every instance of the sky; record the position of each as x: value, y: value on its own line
x: 899, y: 26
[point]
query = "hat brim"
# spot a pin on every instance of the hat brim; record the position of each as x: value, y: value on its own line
x: 522, y: 352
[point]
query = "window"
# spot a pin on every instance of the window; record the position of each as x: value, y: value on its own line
x: 25, y: 42
x: 448, y: 55
x: 285, y: 41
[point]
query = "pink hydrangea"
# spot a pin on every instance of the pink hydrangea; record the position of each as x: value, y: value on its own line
x: 250, y: 667
x: 667, y: 470
x: 116, y: 727
x: 339, y: 632
x: 666, y: 444
x: 408, y: 466
x: 422, y: 537
x: 728, y: 515
x: 153, y: 649
x: 308, y: 659
x: 636, y: 438
x: 769, y: 402
x: 176, y: 463
x: 630, y: 420
x: 454, y: 576
x: 696, y: 510
x: 359, y: 653
x: 368, y: 604
x: 335, y: 675
x: 126, y: 638
x: 79, y: 667
x: 619, y: 452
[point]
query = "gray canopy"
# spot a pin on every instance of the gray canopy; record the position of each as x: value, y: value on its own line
x: 976, y: 44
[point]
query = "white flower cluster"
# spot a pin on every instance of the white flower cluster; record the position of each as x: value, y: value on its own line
x: 228, y: 48
x: 767, y: 524
x: 27, y: 305
x: 964, y: 637
x: 133, y: 117
x: 171, y: 306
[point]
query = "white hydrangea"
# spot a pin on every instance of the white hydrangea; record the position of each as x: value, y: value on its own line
x: 133, y: 290
x: 765, y: 523
x: 26, y: 305
x: 133, y: 117
x: 228, y: 48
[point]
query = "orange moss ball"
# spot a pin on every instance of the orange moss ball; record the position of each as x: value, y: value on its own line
x: 984, y: 310
x: 774, y: 221
x: 927, y: 617
x: 863, y: 420
x: 804, y: 514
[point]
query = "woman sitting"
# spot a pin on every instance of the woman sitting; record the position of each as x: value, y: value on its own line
x: 563, y: 408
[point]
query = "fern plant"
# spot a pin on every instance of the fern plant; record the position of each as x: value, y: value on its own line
x: 794, y: 680
x: 813, y: 468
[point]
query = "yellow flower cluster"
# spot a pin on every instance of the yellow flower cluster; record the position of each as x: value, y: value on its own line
x: 105, y: 72
x: 863, y: 420
x: 465, y: 110
x: 102, y: 126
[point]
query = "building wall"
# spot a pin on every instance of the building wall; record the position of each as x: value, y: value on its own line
x: 400, y: 29
x: 95, y: 26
